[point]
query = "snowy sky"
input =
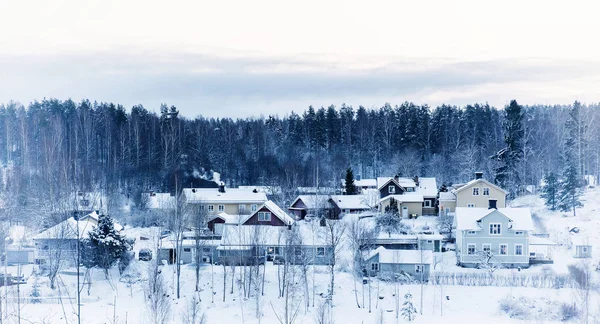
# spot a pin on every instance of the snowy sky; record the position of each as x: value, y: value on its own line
x: 242, y: 58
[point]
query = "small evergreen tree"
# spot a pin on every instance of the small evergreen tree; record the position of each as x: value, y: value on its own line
x: 389, y: 221
x: 349, y: 183
x: 35, y: 291
x: 570, y: 186
x: 409, y: 312
x: 104, y: 245
x: 550, y: 190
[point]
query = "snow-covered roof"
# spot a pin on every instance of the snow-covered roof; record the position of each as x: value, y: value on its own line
x: 447, y: 196
x: 363, y: 183
x: 403, y: 182
x: 269, y: 190
x: 275, y: 210
x: 351, y: 201
x: 474, y: 181
x: 160, y: 200
x: 231, y: 195
x: 466, y: 218
x: 402, y: 256
x: 407, y: 197
x: 428, y: 187
x: 67, y: 229
x: 313, y: 201
x: 229, y: 219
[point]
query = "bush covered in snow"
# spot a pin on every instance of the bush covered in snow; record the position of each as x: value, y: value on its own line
x: 524, y: 308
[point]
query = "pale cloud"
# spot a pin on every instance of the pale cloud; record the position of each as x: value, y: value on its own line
x: 240, y: 58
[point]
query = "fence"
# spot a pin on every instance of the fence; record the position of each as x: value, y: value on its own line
x: 516, y: 280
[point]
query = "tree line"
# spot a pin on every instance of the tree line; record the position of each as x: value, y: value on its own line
x: 52, y: 146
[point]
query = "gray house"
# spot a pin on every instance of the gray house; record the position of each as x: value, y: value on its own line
x: 582, y: 248
x: 416, y: 263
x: 503, y: 233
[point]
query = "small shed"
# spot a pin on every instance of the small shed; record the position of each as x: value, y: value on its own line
x: 416, y: 263
x: 581, y: 248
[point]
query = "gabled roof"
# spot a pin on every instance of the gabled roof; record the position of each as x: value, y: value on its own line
x: 428, y: 187
x: 312, y: 201
x: 475, y: 181
x: 402, y: 256
x: 466, y: 218
x: 401, y: 182
x: 229, y: 219
x: 275, y: 210
x: 447, y: 196
x: 350, y: 202
x: 231, y: 195
x: 67, y: 229
x: 407, y: 197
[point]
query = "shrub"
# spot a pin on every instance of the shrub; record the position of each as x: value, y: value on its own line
x: 568, y: 311
x: 513, y: 308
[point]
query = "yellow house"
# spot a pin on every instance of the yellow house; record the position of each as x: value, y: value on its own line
x: 221, y: 200
x: 473, y: 194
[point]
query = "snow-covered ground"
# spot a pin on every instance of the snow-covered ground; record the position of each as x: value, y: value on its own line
x: 124, y: 299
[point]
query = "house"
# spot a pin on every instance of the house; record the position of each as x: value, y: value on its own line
x: 218, y: 200
x: 87, y: 202
x: 361, y: 184
x: 415, y: 263
x: 297, y: 243
x: 503, y: 233
x: 63, y: 237
x: 475, y: 193
x: 415, y: 196
x: 159, y: 201
x: 268, y: 214
x: 206, y: 243
x: 19, y: 249
x: 316, y: 205
x: 582, y: 248
x: 347, y: 204
x: 215, y: 222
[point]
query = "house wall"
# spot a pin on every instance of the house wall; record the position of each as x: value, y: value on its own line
x: 20, y: 256
x: 465, y: 196
x: 413, y: 207
x: 211, y: 224
x: 47, y: 248
x: 579, y: 253
x: 396, y: 268
x: 431, y: 245
x: 481, y: 237
x: 384, y: 192
x: 448, y: 204
x: 273, y: 222
x: 228, y: 208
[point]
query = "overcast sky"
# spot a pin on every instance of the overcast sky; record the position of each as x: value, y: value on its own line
x: 244, y: 58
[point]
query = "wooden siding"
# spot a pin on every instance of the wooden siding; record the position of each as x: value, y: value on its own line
x: 273, y: 222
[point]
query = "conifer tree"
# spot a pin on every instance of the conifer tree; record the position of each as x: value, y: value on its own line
x: 550, y: 190
x: 409, y: 312
x: 105, y: 245
x: 349, y: 183
x: 509, y: 157
x: 570, y: 185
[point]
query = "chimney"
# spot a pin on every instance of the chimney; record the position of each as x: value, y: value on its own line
x: 358, y: 177
x: 255, y: 190
x: 492, y: 204
x: 478, y: 175
x: 396, y: 177
x: 416, y: 179
x: 222, y: 187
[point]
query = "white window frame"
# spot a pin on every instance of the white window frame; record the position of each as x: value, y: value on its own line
x: 488, y: 246
x: 469, y: 249
x: 320, y: 251
x: 471, y: 232
x: 374, y: 266
x: 221, y: 208
x: 498, y: 226
x: 211, y: 208
x: 253, y: 207
x: 470, y: 205
x: 242, y: 208
x: 264, y: 217
x: 476, y: 191
x: 500, y: 249
x: 427, y: 203
x: 391, y: 189
x: 202, y: 208
x: 486, y: 191
x: 516, y: 246
x: 419, y: 268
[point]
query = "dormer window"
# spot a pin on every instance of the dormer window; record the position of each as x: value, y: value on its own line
x: 475, y: 191
x: 391, y: 189
x: 264, y: 216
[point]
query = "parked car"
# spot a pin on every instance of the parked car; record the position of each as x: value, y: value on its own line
x: 145, y: 255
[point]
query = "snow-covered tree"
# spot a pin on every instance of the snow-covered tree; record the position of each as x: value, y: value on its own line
x: 570, y: 185
x: 550, y: 190
x: 510, y: 157
x: 409, y: 312
x: 105, y: 245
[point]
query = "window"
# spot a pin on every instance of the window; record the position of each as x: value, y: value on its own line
x: 429, y: 241
x: 519, y: 233
x: 495, y: 229
x: 471, y: 249
x: 475, y: 191
x: 321, y: 251
x: 503, y: 249
x: 584, y: 249
x: 427, y: 203
x: 298, y: 252
x: 85, y: 202
x: 253, y: 207
x: 211, y: 208
x: 187, y: 250
x: 487, y: 248
x: 410, y: 189
x: 392, y: 189
x: 264, y: 216
x: 201, y: 207
x: 206, y: 250
x: 242, y: 208
x: 447, y: 210
x: 418, y: 268
x: 470, y: 205
x: 374, y: 266
x: 471, y: 232
x: 221, y: 208
x: 486, y: 191
x: 519, y: 249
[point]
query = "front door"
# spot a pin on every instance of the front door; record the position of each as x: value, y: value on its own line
x: 436, y: 246
x: 405, y: 212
